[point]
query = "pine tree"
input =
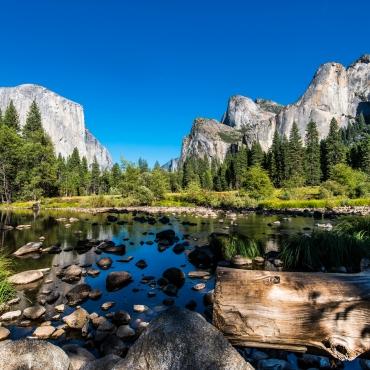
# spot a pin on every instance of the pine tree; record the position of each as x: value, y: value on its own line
x: 11, y: 118
x: 240, y: 166
x: 312, y: 155
x: 256, y: 154
x: 365, y: 154
x: 1, y: 117
x: 116, y: 174
x: 95, y: 177
x: 334, y: 151
x: 143, y: 165
x: 294, y: 157
x: 276, y: 165
x: 33, y: 124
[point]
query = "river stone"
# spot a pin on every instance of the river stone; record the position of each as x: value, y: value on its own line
x: 32, y: 354
x: 125, y: 332
x: 44, y: 332
x: 32, y: 247
x: 140, y: 308
x: 241, y: 261
x: 104, y: 263
x: 117, y: 280
x: 273, y: 364
x: 121, y: 317
x: 34, y: 312
x: 78, y: 356
x: 199, y: 274
x: 11, y: 315
x: 199, y: 286
x: 4, y: 333
x: 77, y: 319
x: 180, y: 339
x: 106, y: 362
x: 113, y: 345
x: 78, y: 294
x: 174, y: 276
x: 71, y: 274
x: 26, y: 277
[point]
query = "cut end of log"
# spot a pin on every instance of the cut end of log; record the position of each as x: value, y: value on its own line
x: 293, y: 311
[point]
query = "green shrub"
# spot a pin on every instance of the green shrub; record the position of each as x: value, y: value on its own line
x: 257, y: 183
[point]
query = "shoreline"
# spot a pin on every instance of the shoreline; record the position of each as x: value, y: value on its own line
x: 212, y: 211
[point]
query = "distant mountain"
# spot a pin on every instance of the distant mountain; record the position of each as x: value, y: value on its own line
x: 63, y: 120
x: 335, y: 91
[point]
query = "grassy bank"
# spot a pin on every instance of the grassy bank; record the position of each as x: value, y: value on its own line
x: 7, y: 291
x: 307, y: 197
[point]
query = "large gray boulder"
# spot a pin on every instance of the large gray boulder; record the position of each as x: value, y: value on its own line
x: 180, y: 339
x: 29, y: 354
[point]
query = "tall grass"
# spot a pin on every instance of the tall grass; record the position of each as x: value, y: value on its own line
x: 325, y: 249
x: 7, y: 290
x: 229, y: 246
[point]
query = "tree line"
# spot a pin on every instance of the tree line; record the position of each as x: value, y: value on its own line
x: 289, y: 162
x: 30, y: 168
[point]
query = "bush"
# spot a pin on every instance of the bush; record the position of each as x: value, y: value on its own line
x: 332, y: 188
x: 355, y: 182
x: 257, y: 183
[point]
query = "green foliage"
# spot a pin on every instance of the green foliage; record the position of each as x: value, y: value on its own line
x: 324, y: 249
x: 7, y: 291
x: 312, y: 155
x: 257, y: 183
x: 294, y: 155
x: 232, y: 245
x: 11, y: 118
x: 333, y: 149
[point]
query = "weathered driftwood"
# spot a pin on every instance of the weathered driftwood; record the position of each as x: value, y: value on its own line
x: 293, y: 311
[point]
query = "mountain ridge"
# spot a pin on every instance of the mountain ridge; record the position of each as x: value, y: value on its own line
x: 62, y: 119
x: 334, y: 91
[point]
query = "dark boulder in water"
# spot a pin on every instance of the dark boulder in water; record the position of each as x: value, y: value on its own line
x: 117, y: 280
x: 111, y: 218
x: 164, y: 220
x: 166, y: 237
x: 202, y: 257
x: 104, y: 263
x: 78, y: 294
x: 174, y: 276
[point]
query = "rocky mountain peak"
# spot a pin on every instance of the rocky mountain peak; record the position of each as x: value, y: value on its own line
x: 63, y: 121
x: 334, y: 92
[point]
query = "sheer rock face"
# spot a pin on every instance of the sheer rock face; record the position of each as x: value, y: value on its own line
x: 335, y: 91
x: 62, y: 119
x: 208, y: 138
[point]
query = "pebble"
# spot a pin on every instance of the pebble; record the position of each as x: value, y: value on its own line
x: 4, y: 333
x: 44, y: 332
x: 140, y: 308
x: 199, y: 286
x: 259, y: 260
x: 60, y: 308
x: 107, y: 305
x: 34, y: 312
x: 125, y: 332
x: 199, y: 275
x: 11, y: 315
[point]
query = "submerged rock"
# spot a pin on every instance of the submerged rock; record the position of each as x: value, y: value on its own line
x: 104, y: 263
x: 117, y: 280
x: 32, y: 354
x: 78, y: 294
x: 179, y: 339
x: 78, y: 356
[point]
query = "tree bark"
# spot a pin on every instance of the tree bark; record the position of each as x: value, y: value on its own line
x: 294, y: 310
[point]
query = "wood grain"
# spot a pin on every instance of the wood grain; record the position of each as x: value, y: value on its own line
x: 293, y: 310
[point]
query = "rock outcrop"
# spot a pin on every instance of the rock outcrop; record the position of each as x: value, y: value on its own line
x: 181, y: 339
x: 63, y: 120
x: 335, y: 91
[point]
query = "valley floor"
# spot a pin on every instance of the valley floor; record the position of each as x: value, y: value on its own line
x: 206, y: 202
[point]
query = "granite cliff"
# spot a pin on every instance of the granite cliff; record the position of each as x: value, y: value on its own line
x: 63, y: 120
x: 335, y: 91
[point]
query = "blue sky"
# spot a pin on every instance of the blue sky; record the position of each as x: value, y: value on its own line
x: 143, y: 70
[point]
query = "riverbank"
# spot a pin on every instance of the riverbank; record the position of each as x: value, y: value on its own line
x: 203, y: 211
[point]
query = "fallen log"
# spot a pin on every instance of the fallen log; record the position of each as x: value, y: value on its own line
x: 294, y: 310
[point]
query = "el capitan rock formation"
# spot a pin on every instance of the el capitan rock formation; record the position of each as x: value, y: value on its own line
x: 62, y: 119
